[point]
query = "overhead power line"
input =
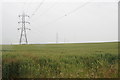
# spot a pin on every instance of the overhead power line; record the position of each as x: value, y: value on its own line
x: 48, y: 9
x: 76, y: 9
x: 44, y: 12
x: 37, y: 8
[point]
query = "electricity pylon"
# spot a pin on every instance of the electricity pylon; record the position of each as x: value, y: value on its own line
x: 23, y: 35
x: 57, y: 37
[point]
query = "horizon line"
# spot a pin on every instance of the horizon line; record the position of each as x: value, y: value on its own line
x: 63, y: 42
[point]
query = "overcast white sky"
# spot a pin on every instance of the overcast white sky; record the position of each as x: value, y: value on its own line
x: 86, y: 20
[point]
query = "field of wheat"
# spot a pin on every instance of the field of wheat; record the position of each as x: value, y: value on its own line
x: 78, y: 60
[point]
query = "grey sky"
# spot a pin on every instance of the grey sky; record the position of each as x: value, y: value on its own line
x: 96, y: 21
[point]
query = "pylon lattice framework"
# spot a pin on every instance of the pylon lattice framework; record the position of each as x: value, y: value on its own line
x: 23, y: 35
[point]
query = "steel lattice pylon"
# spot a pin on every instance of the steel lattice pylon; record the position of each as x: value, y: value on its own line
x: 23, y: 29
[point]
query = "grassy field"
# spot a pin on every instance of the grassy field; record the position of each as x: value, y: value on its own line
x: 82, y: 60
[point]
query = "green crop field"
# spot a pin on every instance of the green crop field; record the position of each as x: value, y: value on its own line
x: 78, y: 60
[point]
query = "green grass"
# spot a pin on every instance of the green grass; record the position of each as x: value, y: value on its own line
x: 83, y: 60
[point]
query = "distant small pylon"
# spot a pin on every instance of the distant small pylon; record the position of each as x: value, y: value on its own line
x: 57, y: 37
